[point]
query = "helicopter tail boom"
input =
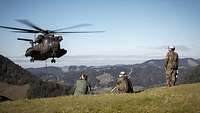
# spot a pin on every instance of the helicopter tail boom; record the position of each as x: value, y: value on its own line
x: 29, y: 40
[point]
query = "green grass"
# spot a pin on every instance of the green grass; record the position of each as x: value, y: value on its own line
x: 179, y: 99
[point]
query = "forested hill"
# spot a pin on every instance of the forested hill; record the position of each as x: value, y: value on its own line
x: 14, y: 74
x: 193, y: 76
x: 17, y: 83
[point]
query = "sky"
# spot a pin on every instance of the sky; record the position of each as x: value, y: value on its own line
x: 141, y: 28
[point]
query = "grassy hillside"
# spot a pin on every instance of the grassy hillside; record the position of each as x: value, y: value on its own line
x: 179, y: 99
x: 13, y: 91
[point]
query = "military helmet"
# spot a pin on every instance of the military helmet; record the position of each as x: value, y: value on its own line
x: 122, y: 73
x: 83, y: 76
x: 171, y: 47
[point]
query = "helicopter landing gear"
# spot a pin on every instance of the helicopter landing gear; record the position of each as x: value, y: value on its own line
x: 53, y: 61
x: 32, y: 59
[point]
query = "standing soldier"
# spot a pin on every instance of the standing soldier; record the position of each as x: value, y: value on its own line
x: 171, y: 66
x: 124, y: 85
x: 82, y: 86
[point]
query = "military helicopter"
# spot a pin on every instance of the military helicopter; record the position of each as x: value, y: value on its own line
x: 46, y: 44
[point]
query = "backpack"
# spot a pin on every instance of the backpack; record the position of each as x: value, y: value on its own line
x: 122, y: 85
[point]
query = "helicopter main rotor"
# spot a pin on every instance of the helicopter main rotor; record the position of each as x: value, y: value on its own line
x: 36, y: 29
x: 46, y: 45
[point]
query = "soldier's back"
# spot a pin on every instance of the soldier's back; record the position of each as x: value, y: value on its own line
x: 172, y: 60
x: 130, y: 87
x: 122, y: 85
x: 80, y: 87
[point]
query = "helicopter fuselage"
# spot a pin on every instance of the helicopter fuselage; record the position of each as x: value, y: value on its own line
x: 47, y: 46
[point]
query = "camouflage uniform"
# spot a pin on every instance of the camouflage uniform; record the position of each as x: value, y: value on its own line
x: 171, y: 67
x: 129, y: 83
x: 82, y: 87
x: 122, y: 86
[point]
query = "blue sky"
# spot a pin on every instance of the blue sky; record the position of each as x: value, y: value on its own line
x: 143, y: 28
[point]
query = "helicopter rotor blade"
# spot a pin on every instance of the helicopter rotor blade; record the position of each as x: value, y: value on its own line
x: 39, y: 30
x: 24, y: 39
x: 26, y: 22
x: 20, y: 29
x: 80, y: 32
x: 26, y: 31
x: 71, y: 27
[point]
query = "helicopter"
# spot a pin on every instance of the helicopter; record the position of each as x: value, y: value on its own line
x: 46, y: 44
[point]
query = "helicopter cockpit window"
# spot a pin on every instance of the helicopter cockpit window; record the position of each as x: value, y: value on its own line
x: 39, y: 38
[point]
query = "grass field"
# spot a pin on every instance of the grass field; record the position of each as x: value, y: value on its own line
x: 179, y: 99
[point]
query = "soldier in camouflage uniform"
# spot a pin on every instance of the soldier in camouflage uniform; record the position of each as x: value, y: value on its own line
x: 82, y: 86
x: 171, y: 66
x: 129, y: 83
x: 124, y: 85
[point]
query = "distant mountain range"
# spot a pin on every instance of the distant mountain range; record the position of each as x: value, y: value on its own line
x: 147, y: 74
x: 17, y: 83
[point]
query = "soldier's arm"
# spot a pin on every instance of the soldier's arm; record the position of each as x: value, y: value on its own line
x: 89, y: 88
x: 177, y: 61
x: 74, y: 88
x: 166, y: 61
x: 118, y: 82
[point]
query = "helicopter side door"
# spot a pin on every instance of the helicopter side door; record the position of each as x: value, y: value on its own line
x: 44, y: 46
